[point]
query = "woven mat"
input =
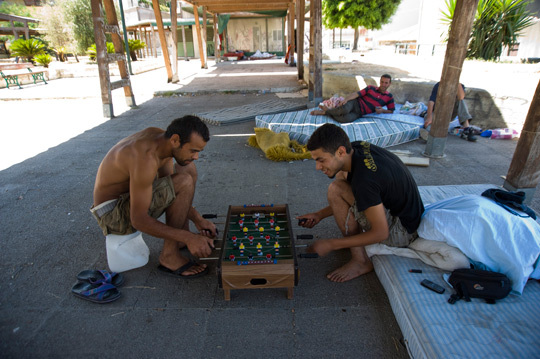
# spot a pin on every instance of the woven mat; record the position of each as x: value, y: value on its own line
x: 248, y: 112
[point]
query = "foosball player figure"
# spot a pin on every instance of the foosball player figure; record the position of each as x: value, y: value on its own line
x: 272, y: 223
x: 276, y: 247
x: 250, y: 240
x: 241, y: 223
x: 231, y: 257
x: 259, y: 249
x: 261, y: 230
x: 242, y: 215
x: 242, y: 249
x: 256, y: 223
x: 277, y: 231
x: 245, y: 230
x: 234, y: 240
x: 267, y: 237
x: 272, y: 215
x: 268, y: 256
x: 257, y: 215
x: 250, y: 257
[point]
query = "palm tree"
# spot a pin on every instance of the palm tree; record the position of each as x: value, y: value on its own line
x: 27, y: 48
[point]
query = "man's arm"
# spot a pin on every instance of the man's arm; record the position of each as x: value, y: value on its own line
x: 376, y: 216
x: 140, y: 188
x: 312, y: 219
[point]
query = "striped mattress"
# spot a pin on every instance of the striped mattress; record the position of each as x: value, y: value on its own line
x: 433, y: 328
x: 383, y: 130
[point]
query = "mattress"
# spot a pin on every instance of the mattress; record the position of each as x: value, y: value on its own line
x: 383, y: 130
x: 433, y: 328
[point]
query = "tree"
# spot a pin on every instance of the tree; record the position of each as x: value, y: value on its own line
x: 27, y: 48
x: 498, y: 23
x: 371, y: 14
x: 58, y: 32
x: 135, y: 45
x: 10, y: 8
x: 79, y: 14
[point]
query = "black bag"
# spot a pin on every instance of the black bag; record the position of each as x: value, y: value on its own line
x: 510, y: 201
x: 476, y: 283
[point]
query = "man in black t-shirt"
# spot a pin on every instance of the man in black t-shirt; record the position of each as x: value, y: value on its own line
x: 374, y: 199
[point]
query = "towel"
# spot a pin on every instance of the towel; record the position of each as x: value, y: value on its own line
x: 278, y: 146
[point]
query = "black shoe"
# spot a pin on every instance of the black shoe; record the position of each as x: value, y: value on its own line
x: 468, y: 134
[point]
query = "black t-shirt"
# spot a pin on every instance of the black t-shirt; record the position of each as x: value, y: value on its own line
x: 378, y: 176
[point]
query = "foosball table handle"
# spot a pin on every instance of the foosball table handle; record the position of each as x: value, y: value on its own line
x: 304, y: 236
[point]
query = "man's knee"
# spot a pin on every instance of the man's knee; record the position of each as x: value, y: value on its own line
x: 183, y: 182
x: 339, y: 187
x: 189, y: 169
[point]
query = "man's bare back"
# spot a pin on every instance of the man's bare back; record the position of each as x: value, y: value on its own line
x: 112, y: 179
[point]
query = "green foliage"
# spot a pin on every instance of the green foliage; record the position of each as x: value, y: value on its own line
x: 371, y: 14
x: 91, y: 51
x: 79, y: 14
x: 10, y: 8
x: 135, y: 45
x: 59, y: 29
x: 43, y: 59
x: 498, y: 23
x: 27, y: 48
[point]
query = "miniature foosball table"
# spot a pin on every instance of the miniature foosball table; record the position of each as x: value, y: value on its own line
x: 258, y: 250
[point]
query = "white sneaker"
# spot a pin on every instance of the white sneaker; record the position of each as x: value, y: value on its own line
x: 424, y: 134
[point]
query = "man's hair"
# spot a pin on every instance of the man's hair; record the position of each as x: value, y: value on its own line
x: 329, y: 138
x: 386, y: 76
x: 185, y: 126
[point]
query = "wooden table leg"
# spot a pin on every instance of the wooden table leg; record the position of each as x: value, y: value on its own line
x: 290, y: 292
x: 227, y: 293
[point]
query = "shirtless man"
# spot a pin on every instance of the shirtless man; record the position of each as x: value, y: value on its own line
x: 374, y: 199
x: 137, y: 181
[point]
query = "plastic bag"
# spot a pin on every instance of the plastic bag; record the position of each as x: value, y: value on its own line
x: 414, y: 109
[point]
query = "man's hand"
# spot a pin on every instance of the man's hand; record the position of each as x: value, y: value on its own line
x: 200, y: 246
x: 379, y: 109
x: 428, y: 119
x: 206, y: 228
x: 321, y: 247
x: 311, y: 219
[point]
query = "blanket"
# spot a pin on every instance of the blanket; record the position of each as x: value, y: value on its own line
x: 278, y: 146
x: 491, y: 237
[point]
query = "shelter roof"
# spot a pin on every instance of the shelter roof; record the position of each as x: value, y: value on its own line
x: 242, y: 6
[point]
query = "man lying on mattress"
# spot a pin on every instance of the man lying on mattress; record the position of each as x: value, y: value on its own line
x: 374, y: 199
x: 369, y: 100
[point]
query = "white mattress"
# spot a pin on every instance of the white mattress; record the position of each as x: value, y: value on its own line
x: 433, y: 328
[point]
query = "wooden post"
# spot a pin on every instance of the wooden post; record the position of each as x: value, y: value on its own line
x: 153, y: 36
x: 300, y: 16
x: 205, y: 38
x: 524, y: 172
x: 217, y: 53
x: 174, y: 30
x: 101, y: 58
x: 162, y: 40
x: 456, y: 50
x: 315, y: 53
x: 199, y: 39
x: 292, y: 41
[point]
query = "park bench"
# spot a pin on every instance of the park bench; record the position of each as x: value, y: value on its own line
x: 11, y: 72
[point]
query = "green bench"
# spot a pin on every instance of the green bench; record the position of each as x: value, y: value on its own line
x: 12, y: 76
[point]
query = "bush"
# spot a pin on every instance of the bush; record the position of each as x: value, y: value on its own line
x: 135, y: 45
x: 27, y: 48
x: 91, y: 51
x: 43, y: 59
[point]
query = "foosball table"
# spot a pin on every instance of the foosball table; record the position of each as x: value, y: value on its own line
x: 258, y: 250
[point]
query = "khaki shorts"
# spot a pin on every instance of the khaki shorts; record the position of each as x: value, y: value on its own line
x: 113, y: 216
x: 397, y: 234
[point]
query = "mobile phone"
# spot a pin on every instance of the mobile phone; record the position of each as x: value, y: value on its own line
x: 432, y: 286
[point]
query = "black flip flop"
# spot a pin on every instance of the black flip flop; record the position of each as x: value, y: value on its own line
x: 101, y: 276
x: 178, y: 273
x: 96, y: 293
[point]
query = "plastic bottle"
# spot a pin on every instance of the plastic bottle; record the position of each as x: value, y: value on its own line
x: 126, y: 252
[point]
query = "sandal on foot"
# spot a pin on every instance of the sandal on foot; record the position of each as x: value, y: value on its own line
x: 178, y: 273
x: 96, y: 293
x: 101, y: 276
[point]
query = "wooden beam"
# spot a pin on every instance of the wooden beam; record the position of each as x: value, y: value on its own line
x: 291, y: 34
x: 205, y: 38
x: 174, y: 30
x: 524, y: 171
x: 101, y: 58
x: 199, y: 39
x: 246, y: 8
x: 240, y: 2
x: 456, y: 50
x: 300, y: 15
x: 162, y: 39
x: 217, y: 53
x: 315, y: 52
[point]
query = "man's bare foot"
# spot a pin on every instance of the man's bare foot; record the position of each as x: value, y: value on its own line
x: 350, y: 271
x: 176, y: 260
x: 188, y: 269
x: 317, y: 113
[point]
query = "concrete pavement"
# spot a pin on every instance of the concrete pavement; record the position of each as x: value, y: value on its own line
x: 48, y: 236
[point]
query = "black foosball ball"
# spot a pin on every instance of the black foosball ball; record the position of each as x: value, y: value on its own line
x: 258, y: 250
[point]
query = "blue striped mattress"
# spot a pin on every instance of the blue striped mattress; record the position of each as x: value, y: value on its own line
x: 383, y: 130
x: 433, y: 328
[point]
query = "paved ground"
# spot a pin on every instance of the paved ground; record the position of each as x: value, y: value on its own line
x: 48, y: 236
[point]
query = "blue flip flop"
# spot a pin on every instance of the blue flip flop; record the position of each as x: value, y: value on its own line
x: 96, y: 293
x: 178, y: 273
x: 93, y: 276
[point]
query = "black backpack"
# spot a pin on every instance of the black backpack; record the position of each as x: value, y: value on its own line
x: 510, y: 201
x: 476, y: 283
